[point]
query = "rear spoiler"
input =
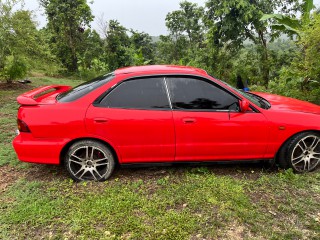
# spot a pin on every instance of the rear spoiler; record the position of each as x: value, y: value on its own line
x: 35, y: 96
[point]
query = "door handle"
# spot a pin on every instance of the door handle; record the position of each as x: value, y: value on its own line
x: 100, y: 120
x: 188, y: 120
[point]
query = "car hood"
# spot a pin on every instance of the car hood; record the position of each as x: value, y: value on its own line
x: 281, y: 103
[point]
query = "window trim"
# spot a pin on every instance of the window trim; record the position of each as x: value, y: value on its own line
x: 201, y: 78
x: 168, y: 92
x: 103, y: 78
x: 97, y: 102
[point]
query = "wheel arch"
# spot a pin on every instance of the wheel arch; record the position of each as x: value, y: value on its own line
x: 69, y: 144
x: 283, y: 145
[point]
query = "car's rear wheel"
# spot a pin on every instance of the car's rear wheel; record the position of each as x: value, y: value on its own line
x: 89, y: 160
x: 302, y: 152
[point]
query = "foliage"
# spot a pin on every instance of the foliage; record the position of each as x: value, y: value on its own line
x: 20, y: 43
x: 310, y: 42
x: 291, y: 25
x: 90, y: 49
x: 246, y: 61
x: 187, y: 21
x: 67, y: 20
x: 301, y: 78
x: 90, y: 58
x: 15, y: 67
x: 97, y: 67
x: 117, y: 44
x: 186, y: 33
x: 231, y: 22
x: 144, y: 48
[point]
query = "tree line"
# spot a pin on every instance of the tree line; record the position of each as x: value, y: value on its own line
x: 228, y: 38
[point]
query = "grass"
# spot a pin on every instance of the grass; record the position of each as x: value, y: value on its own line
x: 214, y: 202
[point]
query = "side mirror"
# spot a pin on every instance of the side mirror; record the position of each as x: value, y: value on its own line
x: 244, y: 105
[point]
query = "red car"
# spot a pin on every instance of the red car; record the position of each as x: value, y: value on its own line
x: 157, y: 114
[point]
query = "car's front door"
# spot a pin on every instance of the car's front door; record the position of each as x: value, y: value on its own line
x: 136, y: 118
x: 209, y: 125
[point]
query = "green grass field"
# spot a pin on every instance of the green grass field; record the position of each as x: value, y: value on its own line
x: 213, y: 202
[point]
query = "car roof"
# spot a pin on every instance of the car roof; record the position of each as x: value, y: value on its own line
x: 160, y: 69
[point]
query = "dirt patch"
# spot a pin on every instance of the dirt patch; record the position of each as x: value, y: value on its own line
x: 251, y: 171
x: 45, y: 173
x: 8, y: 176
x: 235, y: 232
x: 39, y: 172
x: 36, y: 172
x: 15, y: 86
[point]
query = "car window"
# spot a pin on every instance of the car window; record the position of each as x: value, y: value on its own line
x: 146, y: 93
x: 257, y: 100
x: 190, y: 93
x: 84, y: 88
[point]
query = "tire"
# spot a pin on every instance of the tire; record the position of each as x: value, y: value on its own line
x: 89, y: 160
x: 301, y: 153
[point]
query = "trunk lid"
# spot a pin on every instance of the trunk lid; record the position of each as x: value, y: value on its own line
x: 42, y: 95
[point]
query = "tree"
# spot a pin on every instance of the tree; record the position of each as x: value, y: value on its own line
x: 143, y: 46
x: 186, y: 30
x: 90, y: 49
x: 310, y: 42
x: 232, y: 22
x: 303, y: 74
x: 117, y: 46
x: 288, y: 24
x: 187, y: 21
x: 67, y: 20
x: 90, y: 56
x: 166, y: 50
x: 20, y: 41
x: 303, y: 28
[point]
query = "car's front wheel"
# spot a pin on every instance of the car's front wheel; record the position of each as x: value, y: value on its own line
x: 302, y: 152
x: 89, y: 160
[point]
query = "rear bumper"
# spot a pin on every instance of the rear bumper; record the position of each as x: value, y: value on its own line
x: 38, y: 150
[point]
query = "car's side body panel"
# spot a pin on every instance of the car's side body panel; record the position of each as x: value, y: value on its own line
x: 284, y: 125
x: 38, y: 150
x: 54, y: 121
x: 201, y: 135
x: 139, y: 135
x: 220, y: 135
x: 250, y: 132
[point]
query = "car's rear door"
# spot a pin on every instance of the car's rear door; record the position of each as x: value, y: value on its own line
x: 209, y: 125
x: 136, y: 118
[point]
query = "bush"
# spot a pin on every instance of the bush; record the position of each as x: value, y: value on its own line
x: 15, y: 67
x: 97, y: 68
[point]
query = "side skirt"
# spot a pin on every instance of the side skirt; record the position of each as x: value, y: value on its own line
x: 189, y: 163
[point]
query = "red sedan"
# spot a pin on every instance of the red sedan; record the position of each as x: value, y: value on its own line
x: 157, y: 114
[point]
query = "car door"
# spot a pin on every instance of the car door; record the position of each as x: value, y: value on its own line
x: 209, y: 125
x: 135, y: 117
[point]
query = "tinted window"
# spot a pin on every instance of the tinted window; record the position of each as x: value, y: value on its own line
x: 84, y: 88
x: 143, y: 93
x: 189, y: 93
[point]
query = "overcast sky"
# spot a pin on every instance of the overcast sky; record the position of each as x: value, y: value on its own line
x: 142, y: 15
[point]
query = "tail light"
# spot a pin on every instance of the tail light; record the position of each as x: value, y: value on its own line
x: 22, y: 126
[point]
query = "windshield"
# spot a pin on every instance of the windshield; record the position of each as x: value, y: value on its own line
x: 259, y: 101
x: 84, y: 88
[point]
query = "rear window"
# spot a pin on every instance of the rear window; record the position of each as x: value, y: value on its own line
x: 84, y: 88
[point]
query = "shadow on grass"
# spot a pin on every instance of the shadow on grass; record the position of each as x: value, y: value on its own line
x: 239, y: 170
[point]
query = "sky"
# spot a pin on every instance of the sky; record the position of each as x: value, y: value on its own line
x: 141, y: 15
